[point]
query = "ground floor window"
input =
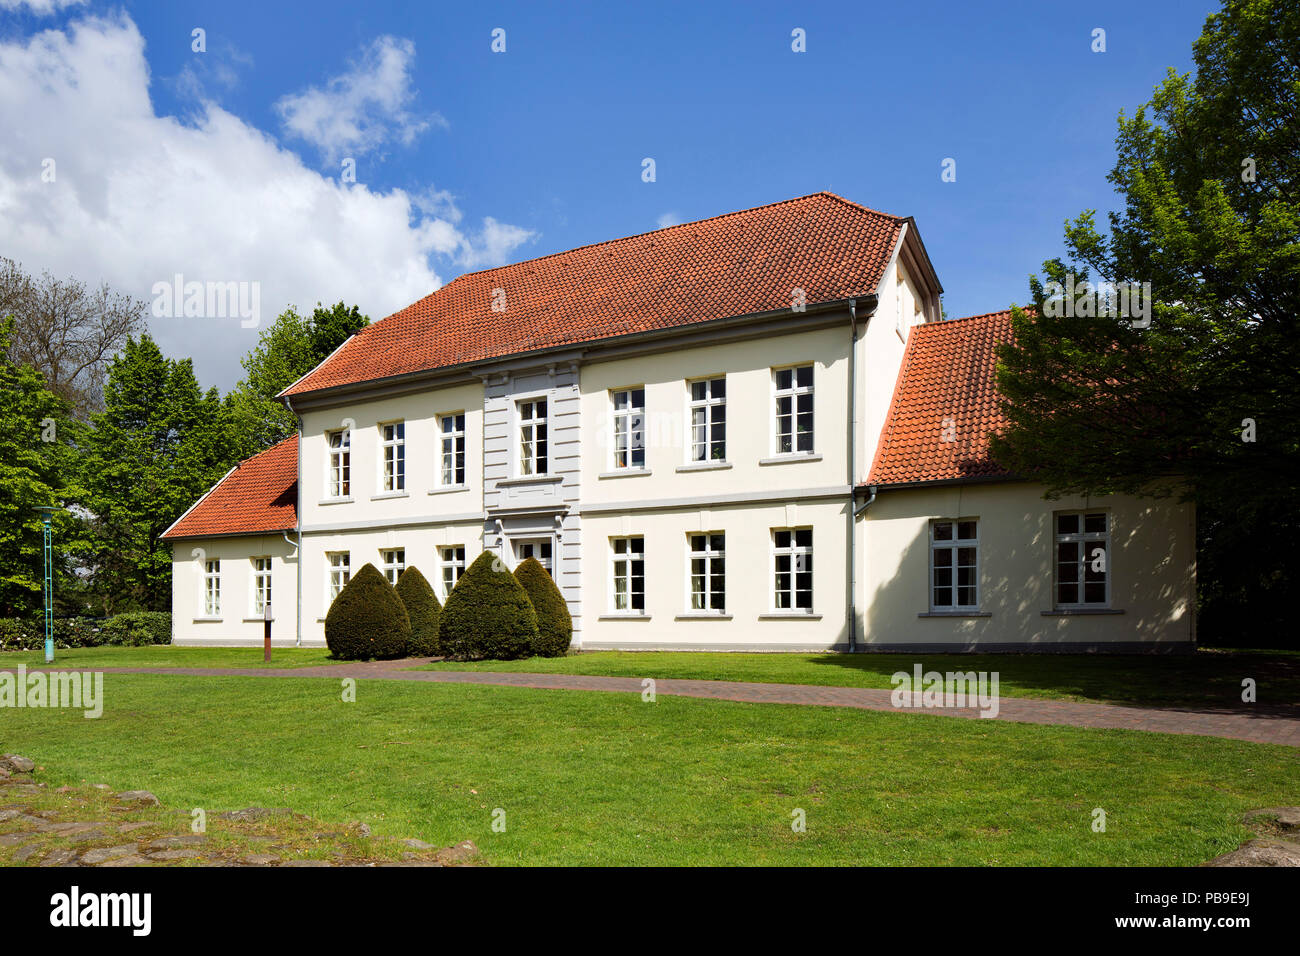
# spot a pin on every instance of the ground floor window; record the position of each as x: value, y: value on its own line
x: 954, y: 565
x: 394, y: 561
x: 1082, y: 556
x: 708, y: 572
x: 340, y: 565
x: 792, y: 562
x: 629, y: 575
x: 452, y: 560
x: 539, y: 548
x: 261, y: 586
x: 212, y: 588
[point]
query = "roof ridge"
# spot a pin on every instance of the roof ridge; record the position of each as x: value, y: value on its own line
x: 981, y: 315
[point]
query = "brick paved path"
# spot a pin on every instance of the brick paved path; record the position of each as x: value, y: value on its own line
x: 1262, y: 725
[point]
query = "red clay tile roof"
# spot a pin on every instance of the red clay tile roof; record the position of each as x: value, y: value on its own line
x: 738, y: 264
x: 259, y: 495
x: 947, y: 373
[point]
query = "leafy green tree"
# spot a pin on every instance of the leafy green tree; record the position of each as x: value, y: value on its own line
x: 1197, y: 398
x: 37, y: 467
x: 158, y: 445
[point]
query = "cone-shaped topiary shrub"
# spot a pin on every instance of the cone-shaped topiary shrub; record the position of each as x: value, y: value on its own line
x: 487, y: 614
x: 367, y: 619
x: 424, y: 611
x: 554, y: 623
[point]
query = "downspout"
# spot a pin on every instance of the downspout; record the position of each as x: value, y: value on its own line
x: 871, y: 496
x: 297, y: 640
x: 853, y: 463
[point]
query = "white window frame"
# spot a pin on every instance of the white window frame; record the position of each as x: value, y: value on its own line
x: 794, y: 393
x: 527, y: 465
x: 262, y: 590
x: 338, y: 465
x: 455, y: 564
x: 394, y: 567
x: 392, y: 457
x: 531, y: 542
x: 448, y: 457
x: 628, y: 424
x: 337, y: 574
x: 212, y: 587
x: 708, y: 406
x: 708, y: 556
x: 1083, y: 539
x: 799, y: 555
x: 954, y: 545
x: 621, y: 571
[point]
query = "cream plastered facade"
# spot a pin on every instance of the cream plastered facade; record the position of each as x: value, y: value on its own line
x: 585, y: 501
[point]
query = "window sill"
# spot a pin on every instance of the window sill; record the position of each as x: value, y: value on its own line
x: 703, y: 617
x: 208, y: 620
x: 789, y: 616
x: 390, y: 494
x: 530, y: 480
x: 1080, y: 611
x: 623, y: 617
x: 790, y: 459
x: 448, y: 489
x: 335, y: 501
x: 955, y: 614
x: 705, y: 466
x: 625, y: 473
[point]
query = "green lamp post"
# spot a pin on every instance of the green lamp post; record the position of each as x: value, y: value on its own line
x: 46, y: 511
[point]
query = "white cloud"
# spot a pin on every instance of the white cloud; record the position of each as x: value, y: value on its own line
x: 139, y: 197
x: 42, y: 8
x: 669, y: 219
x: 362, y: 109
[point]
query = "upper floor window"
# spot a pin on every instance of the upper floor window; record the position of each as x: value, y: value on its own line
x: 794, y: 410
x: 954, y: 565
x: 261, y: 586
x: 792, y: 562
x: 212, y: 588
x: 340, y: 571
x: 340, y: 467
x: 709, y: 420
x: 629, y: 575
x: 394, y: 446
x: 452, y: 452
x: 394, y: 561
x: 452, y: 560
x: 708, y: 572
x: 629, y: 428
x: 532, y: 437
x: 1082, y: 556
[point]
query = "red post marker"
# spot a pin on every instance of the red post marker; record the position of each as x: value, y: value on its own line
x: 266, y: 631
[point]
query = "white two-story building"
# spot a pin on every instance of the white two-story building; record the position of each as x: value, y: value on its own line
x: 749, y: 432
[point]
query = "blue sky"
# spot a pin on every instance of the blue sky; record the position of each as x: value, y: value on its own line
x: 502, y: 157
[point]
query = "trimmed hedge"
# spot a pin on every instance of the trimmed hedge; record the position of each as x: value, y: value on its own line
x: 488, y: 614
x: 367, y: 619
x: 134, y: 629
x: 554, y: 623
x: 423, y: 609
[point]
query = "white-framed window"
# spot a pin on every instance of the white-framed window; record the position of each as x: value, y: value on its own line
x: 794, y: 410
x: 212, y: 588
x: 393, y: 441
x: 539, y: 548
x: 340, y: 571
x: 628, y: 575
x: 340, y: 463
x: 709, y: 420
x: 708, y: 572
x: 452, y: 561
x: 532, y: 437
x: 792, y: 556
x: 1082, y: 559
x: 629, y: 427
x: 394, y: 562
x: 954, y: 564
x: 261, y: 586
x: 451, y: 430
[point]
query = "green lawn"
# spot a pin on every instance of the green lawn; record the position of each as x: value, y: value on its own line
x: 595, y: 778
x: 1204, y: 678
x: 167, y: 656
